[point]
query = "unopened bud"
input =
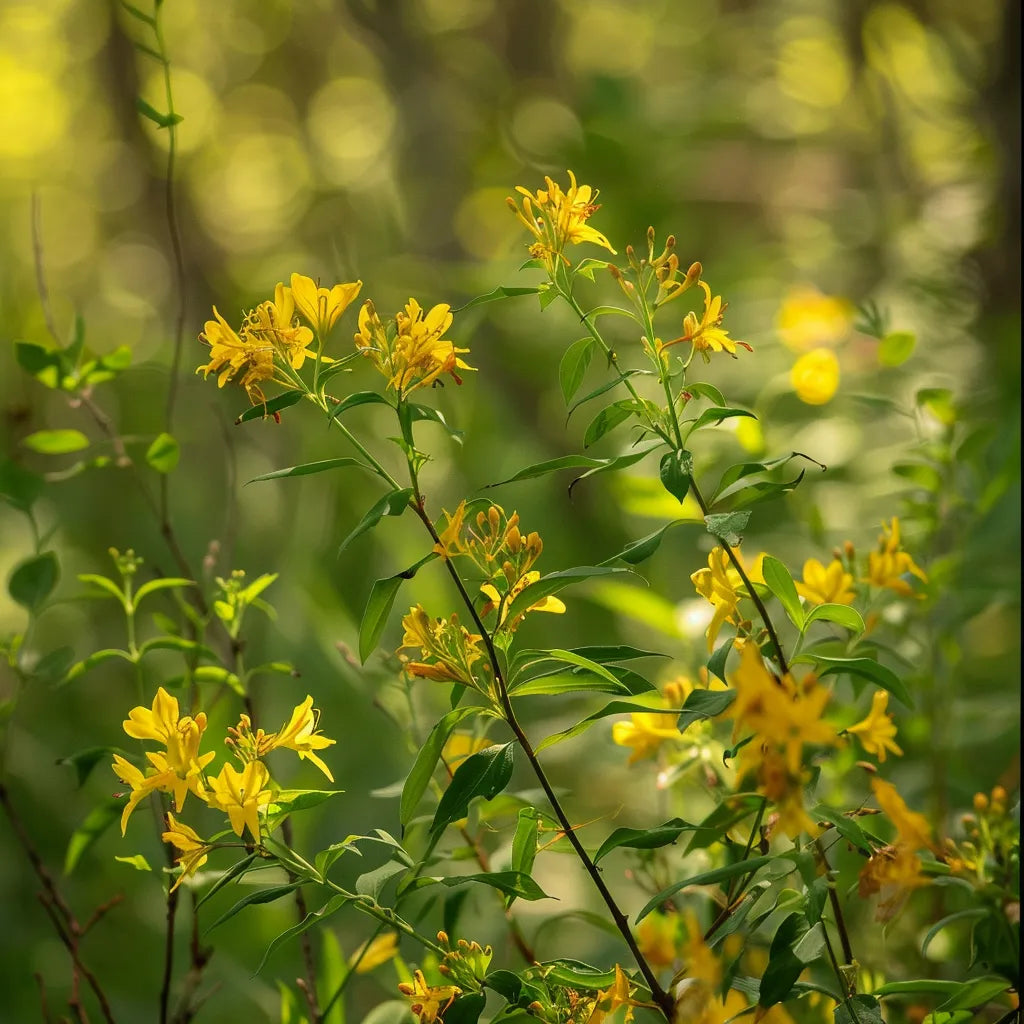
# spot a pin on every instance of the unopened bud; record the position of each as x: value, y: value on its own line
x: 868, y: 767
x: 980, y: 802
x: 999, y: 795
x: 614, y: 271
x: 849, y: 550
x: 442, y: 937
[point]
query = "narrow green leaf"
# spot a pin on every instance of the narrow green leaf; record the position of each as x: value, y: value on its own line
x: 919, y: 986
x: 577, y: 975
x: 311, y: 467
x: 97, y: 658
x: 766, y: 490
x: 394, y: 503
x: 19, y: 487
x: 846, y: 827
x: 86, y: 760
x: 708, y: 391
x: 164, y: 583
x: 727, y: 526
x: 615, y: 707
x: 598, y: 311
x: 865, y: 668
x: 781, y: 584
x: 539, y: 469
x: 524, y: 842
x: 704, y: 704
x: 723, y: 874
x: 484, y: 774
x: 97, y: 821
x: 136, y: 13
x: 972, y: 914
x: 56, y: 442
x: 428, y: 414
x: 163, y: 454
x: 573, y: 366
x: 605, y: 387
x: 643, y: 839
x: 715, y: 416
x: 716, y: 663
x: 555, y: 582
x: 33, y: 580
x: 154, y: 115
x: 275, y: 892
x: 137, y: 861
x: 237, y: 870
x: 511, y: 883
x: 725, y: 816
x: 334, y: 904
x: 270, y: 407
x: 638, y: 551
x: 426, y: 760
x: 379, y: 605
x: 676, y: 471
x: 896, y: 348
x: 607, y: 420
x: 357, y: 399
x: 501, y: 292
x: 105, y: 584
x: 46, y: 365
x: 842, y: 614
x: 859, y: 1010
x: 466, y: 1009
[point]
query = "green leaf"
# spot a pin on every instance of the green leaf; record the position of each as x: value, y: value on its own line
x: 730, y: 812
x: 466, y: 1009
x: 154, y: 115
x: 708, y: 391
x: 637, y: 551
x: 237, y: 870
x: 85, y: 760
x: 33, y: 580
x: 311, y: 467
x: 615, y: 707
x: 939, y: 402
x: 394, y: 503
x: 105, y: 584
x: 676, y: 471
x: 18, y: 486
x: 46, y: 365
x: 842, y: 614
x: 715, y: 416
x: 555, y: 582
x: 766, y: 490
x: 617, y: 652
x: 511, y: 883
x: 334, y: 904
x: 924, y: 475
x: 426, y: 760
x: 577, y: 975
x: 53, y: 666
x: 577, y: 681
x: 896, y: 348
x: 573, y: 658
x: 359, y: 398
x: 484, y: 774
x: 137, y: 861
x: 918, y: 986
x: 267, y: 409
x: 865, y: 668
x: 524, y: 842
x: 716, y: 663
x: 781, y: 584
x: 723, y: 874
x: 608, y: 311
x: 974, y: 994
x: 163, y: 454
x: 858, y: 1010
x: 501, y: 292
x: 97, y: 658
x: 605, y: 387
x: 428, y: 414
x: 972, y: 914
x: 56, y: 442
x: 846, y: 827
x: 164, y: 583
x: 607, y: 420
x: 727, y: 526
x: 539, y: 469
x: 97, y: 821
x: 784, y: 966
x: 379, y: 604
x: 704, y: 704
x: 573, y: 367
x: 643, y: 839
x: 275, y: 892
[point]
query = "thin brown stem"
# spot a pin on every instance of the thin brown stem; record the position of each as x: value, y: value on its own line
x: 308, y: 959
x: 833, y: 899
x: 664, y: 1000
x: 168, y: 966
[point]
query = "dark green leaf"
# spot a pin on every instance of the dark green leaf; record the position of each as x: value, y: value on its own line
x: 359, y: 398
x: 716, y: 663
x: 846, y: 827
x: 781, y: 584
x: 18, y: 486
x: 676, y: 471
x: 46, y: 365
x: 716, y: 416
x: 730, y: 812
x: 539, y: 469
x: 379, y: 605
x: 268, y: 408
x: 638, y: 550
x: 767, y: 490
x: 466, y: 1009
x: 865, y: 668
x: 972, y: 914
x: 616, y: 707
x: 784, y: 966
x: 607, y: 420
x: 237, y: 870
x: 555, y: 582
x: 97, y: 821
x: 311, y: 467
x: 335, y: 903
x: 511, y: 883
x: 33, y: 580
x: 581, y: 681
x: 727, y: 526
x: 643, y: 839
x: 605, y: 387
x: 52, y: 667
x: 163, y: 583
x: 704, y: 704
x: 484, y: 774
x: 426, y: 760
x: 501, y: 292
x: 163, y: 454
x: 573, y: 367
x: 85, y: 760
x: 858, y: 1010
x: 275, y: 892
x: 394, y: 503
x: 618, y: 652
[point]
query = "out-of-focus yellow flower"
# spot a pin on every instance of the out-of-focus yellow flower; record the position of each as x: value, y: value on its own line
x: 645, y: 732
x: 722, y: 585
x: 192, y: 850
x: 705, y: 333
x: 428, y: 1001
x: 240, y: 794
x: 808, y: 319
x: 321, y: 307
x: 701, y: 962
x: 418, y: 353
x: 231, y: 354
x: 494, y: 600
x: 449, y: 650
x: 894, y: 871
x: 823, y: 585
x: 785, y: 789
x: 912, y: 828
x: 461, y: 745
x: 374, y: 953
x: 815, y: 376
x: 618, y: 994
x: 559, y: 218
x: 657, y: 936
x: 301, y: 735
x: 877, y: 733
x: 888, y: 565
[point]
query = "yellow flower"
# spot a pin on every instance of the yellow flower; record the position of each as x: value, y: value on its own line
x: 657, y: 936
x: 191, y: 848
x: 785, y: 789
x: 894, y: 871
x: 273, y: 323
x: 374, y: 953
x: 240, y: 795
x: 618, y: 994
x: 808, y: 319
x: 321, y: 307
x: 142, y: 785
x: 449, y: 649
x: 428, y: 1001
x: 877, y: 732
x: 231, y: 354
x: 560, y: 218
x: 912, y: 828
x: 494, y: 600
x: 888, y: 566
x: 826, y: 586
x: 461, y: 745
x: 705, y: 333
x: 645, y: 732
x: 815, y: 376
x: 418, y: 354
x: 301, y: 736
x: 722, y: 585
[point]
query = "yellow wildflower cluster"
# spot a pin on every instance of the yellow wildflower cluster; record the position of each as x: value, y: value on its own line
x: 989, y: 852
x: 428, y: 1002
x: 272, y: 340
x: 180, y: 769
x: 723, y: 586
x: 556, y: 218
x: 877, y: 733
x: 830, y: 584
x: 889, y: 564
x: 449, y: 652
x: 646, y: 731
x: 415, y: 353
x: 784, y: 717
x: 705, y: 333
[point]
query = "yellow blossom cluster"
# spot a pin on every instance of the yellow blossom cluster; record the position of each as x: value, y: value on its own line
x: 647, y: 731
x: 180, y: 769
x: 721, y: 584
x: 705, y: 332
x: 889, y: 565
x: 449, y: 652
x: 272, y: 339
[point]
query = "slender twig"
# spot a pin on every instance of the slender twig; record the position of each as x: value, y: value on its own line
x: 833, y: 898
x: 307, y: 984
x: 168, y: 966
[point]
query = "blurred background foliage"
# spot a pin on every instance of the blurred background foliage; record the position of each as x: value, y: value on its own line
x: 813, y: 155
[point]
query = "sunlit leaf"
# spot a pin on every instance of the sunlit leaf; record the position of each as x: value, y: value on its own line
x: 781, y: 584
x: 573, y: 366
x: 163, y: 454
x: 56, y: 442
x: 311, y: 467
